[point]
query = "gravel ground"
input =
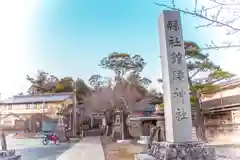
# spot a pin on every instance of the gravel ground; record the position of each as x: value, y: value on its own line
x: 116, y: 151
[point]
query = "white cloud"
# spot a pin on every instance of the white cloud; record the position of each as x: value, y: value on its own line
x: 15, y: 47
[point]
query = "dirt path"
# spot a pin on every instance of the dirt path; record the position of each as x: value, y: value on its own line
x: 116, y: 151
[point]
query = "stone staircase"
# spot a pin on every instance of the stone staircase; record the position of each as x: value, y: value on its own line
x: 194, y: 134
x: 94, y: 132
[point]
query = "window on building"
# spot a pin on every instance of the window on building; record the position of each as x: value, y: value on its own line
x: 33, y: 106
x: 10, y: 107
x: 2, y: 107
x: 27, y: 106
x: 38, y: 106
x: 45, y: 105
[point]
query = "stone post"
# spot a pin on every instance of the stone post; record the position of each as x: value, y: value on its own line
x: 177, y: 107
x: 177, y: 110
x: 3, y: 140
x: 91, y: 122
x: 61, y: 129
x: 5, y: 153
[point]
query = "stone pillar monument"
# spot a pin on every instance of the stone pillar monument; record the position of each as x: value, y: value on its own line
x: 61, y: 129
x: 177, y: 110
x: 177, y: 107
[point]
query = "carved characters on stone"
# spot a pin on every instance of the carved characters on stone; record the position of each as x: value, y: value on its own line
x: 178, y: 75
x: 174, y: 42
x: 176, y: 57
x: 181, y: 114
x: 179, y: 93
x: 173, y: 25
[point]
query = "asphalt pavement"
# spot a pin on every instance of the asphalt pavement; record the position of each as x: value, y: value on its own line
x: 33, y: 149
x: 51, y: 152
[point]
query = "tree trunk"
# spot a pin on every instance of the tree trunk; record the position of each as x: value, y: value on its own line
x: 3, y: 140
x: 126, y: 132
x: 108, y: 130
x: 199, y: 122
x: 109, y: 122
x: 123, y: 133
x: 200, y: 128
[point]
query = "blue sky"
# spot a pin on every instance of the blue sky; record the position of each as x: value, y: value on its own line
x: 74, y: 35
x: 69, y: 37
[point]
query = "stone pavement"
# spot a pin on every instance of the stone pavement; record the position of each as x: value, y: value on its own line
x: 89, y: 148
x: 227, y: 152
x: 33, y: 149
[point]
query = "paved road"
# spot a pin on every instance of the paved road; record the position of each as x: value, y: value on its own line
x: 228, y: 153
x: 90, y: 148
x: 32, y: 149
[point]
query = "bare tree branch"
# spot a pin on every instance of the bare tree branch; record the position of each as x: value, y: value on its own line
x: 194, y: 13
x: 214, y: 15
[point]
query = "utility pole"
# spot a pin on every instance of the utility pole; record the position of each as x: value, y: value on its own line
x: 74, y: 126
x: 43, y: 107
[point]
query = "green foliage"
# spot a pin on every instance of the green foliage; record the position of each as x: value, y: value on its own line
x: 121, y: 63
x: 127, y: 69
x: 199, y: 64
x: 82, y: 89
x: 205, y: 88
x: 46, y: 83
x: 161, y: 105
x: 65, y: 85
x: 98, y: 82
x: 218, y: 75
x: 193, y: 100
x: 61, y: 110
x: 59, y: 88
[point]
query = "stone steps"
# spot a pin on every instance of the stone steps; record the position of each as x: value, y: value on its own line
x: 194, y: 134
x: 95, y: 132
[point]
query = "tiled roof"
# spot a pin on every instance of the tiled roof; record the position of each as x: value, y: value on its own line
x: 225, y: 82
x: 36, y: 98
x: 145, y: 107
x: 230, y: 101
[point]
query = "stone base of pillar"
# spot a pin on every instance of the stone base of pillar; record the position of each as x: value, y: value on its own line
x: 143, y: 140
x: 9, y: 155
x: 61, y: 130
x: 181, y: 151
